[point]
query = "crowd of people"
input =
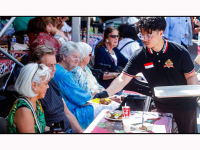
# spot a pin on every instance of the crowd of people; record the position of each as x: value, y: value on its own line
x: 57, y: 83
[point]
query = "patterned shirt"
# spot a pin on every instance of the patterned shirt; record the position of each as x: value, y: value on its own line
x: 18, y: 104
x: 81, y: 78
x: 44, y: 38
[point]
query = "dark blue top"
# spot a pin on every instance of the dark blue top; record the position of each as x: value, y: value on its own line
x: 53, y: 106
x: 102, y: 56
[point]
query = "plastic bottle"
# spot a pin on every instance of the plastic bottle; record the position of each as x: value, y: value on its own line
x: 104, y: 26
x: 13, y: 42
x: 26, y: 39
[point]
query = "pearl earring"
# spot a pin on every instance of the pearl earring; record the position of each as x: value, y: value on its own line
x: 107, y: 41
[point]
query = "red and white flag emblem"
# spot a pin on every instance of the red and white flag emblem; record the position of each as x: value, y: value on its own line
x: 148, y: 65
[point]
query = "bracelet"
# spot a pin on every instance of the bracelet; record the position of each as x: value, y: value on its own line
x: 113, y: 75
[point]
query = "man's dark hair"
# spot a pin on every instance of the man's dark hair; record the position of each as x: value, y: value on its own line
x: 131, y: 33
x: 150, y: 24
x: 122, y: 29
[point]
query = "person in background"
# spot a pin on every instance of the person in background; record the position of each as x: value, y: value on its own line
x: 55, y: 108
x: 107, y: 53
x: 20, y: 25
x: 177, y: 30
x: 52, y: 25
x: 122, y: 29
x: 163, y: 63
x: 132, y: 21
x: 190, y: 33
x: 45, y: 37
x: 32, y: 84
x: 196, y: 31
x: 35, y: 26
x: 67, y: 29
x: 129, y: 43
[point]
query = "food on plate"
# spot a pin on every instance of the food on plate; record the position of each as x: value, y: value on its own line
x: 104, y: 101
x: 114, y: 115
x: 143, y: 128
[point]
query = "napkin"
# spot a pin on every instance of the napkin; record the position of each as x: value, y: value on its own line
x: 18, y: 46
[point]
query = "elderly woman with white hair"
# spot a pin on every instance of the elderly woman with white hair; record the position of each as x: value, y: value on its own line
x: 83, y: 74
x: 74, y: 95
x: 26, y: 115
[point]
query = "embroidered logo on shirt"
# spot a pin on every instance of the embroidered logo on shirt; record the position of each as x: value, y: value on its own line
x: 168, y: 64
x: 148, y: 65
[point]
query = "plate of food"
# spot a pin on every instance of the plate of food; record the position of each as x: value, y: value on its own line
x: 100, y: 101
x: 114, y: 115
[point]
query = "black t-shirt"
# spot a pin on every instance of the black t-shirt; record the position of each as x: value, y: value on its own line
x: 164, y: 68
x: 53, y: 106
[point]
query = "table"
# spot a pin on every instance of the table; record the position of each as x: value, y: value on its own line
x: 157, y: 122
x: 6, y: 65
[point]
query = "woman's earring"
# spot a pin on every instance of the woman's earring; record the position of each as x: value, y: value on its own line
x: 107, y: 41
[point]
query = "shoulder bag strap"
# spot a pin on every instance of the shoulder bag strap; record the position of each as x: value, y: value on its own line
x: 125, y: 45
x: 32, y: 109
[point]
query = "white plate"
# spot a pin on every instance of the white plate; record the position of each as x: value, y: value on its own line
x: 111, y: 118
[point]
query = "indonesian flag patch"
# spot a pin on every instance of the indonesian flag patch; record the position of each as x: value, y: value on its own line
x: 148, y: 65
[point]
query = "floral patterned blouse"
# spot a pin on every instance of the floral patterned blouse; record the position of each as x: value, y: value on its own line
x: 81, y: 78
x: 21, y: 103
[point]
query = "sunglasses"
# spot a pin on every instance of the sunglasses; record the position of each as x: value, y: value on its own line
x: 39, y: 66
x: 113, y: 36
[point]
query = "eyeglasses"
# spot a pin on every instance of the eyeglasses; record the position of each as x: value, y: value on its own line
x: 39, y: 66
x: 113, y: 36
x: 147, y: 37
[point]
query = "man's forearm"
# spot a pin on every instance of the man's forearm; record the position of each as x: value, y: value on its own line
x: 118, y: 84
x: 192, y: 80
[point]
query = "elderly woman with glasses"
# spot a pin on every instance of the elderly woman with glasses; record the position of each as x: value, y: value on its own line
x: 107, y: 53
x: 74, y: 95
x: 74, y: 88
x: 26, y: 115
x: 83, y: 74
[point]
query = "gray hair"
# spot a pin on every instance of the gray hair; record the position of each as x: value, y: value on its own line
x: 40, y: 51
x: 31, y: 72
x: 85, y: 49
x: 67, y: 48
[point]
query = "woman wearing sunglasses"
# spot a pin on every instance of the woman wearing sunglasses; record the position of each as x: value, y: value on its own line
x: 107, y: 53
x: 26, y: 115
